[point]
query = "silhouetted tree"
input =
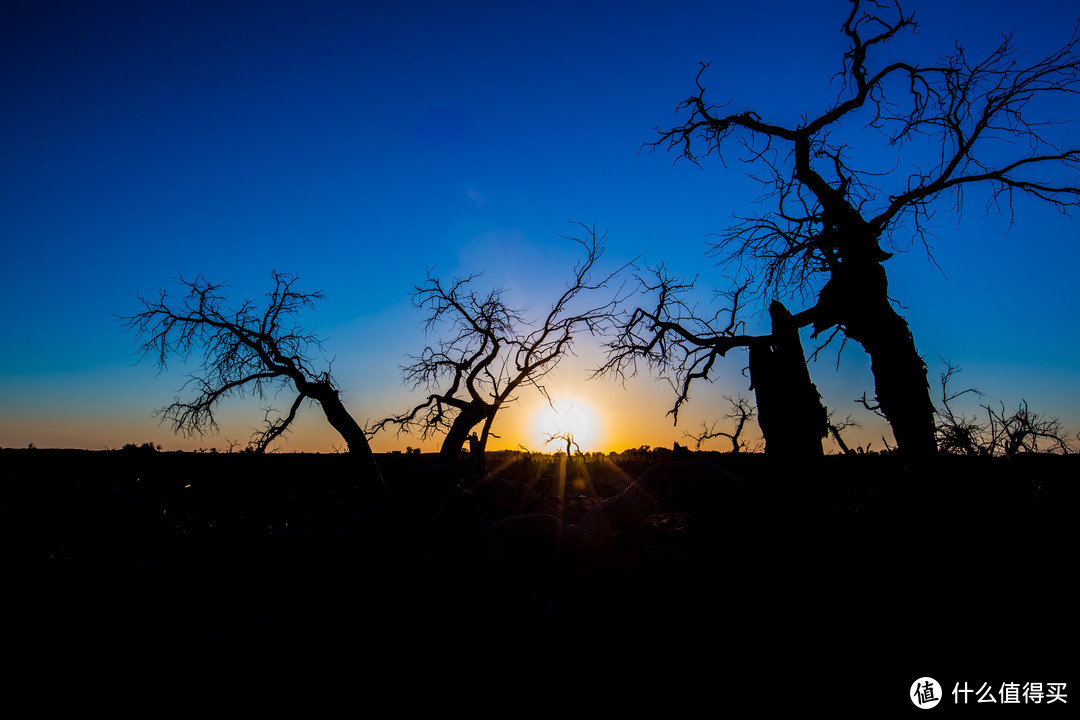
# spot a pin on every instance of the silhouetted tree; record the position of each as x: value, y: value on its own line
x: 957, y: 433
x: 675, y: 341
x: 488, y: 351
x: 250, y: 349
x: 742, y: 412
x: 959, y: 123
x: 836, y: 429
x: 1003, y: 433
x: 566, y: 437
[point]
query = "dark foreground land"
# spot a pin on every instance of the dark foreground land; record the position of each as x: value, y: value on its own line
x: 151, y: 584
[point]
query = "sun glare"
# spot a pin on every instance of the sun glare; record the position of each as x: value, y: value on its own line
x: 567, y: 418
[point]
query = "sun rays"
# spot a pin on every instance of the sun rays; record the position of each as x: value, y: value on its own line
x: 567, y: 424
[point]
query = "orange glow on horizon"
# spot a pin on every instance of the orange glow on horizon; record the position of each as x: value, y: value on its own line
x: 567, y: 418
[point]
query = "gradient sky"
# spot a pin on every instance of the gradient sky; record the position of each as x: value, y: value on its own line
x: 356, y: 144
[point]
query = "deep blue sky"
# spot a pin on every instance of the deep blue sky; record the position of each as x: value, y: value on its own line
x: 357, y: 144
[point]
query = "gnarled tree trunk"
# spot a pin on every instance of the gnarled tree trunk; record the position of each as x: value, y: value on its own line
x: 857, y: 299
x: 469, y: 417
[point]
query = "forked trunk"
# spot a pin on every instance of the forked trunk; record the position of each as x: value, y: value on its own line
x: 469, y: 417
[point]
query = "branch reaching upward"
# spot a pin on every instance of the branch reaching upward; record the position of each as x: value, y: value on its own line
x: 978, y: 115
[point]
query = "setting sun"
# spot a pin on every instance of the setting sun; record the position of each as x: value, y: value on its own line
x: 563, y: 418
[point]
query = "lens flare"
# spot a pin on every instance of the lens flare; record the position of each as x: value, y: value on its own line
x: 567, y: 418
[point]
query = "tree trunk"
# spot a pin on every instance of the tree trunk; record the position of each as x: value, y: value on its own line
x: 903, y: 393
x: 857, y: 299
x: 790, y: 414
x: 355, y: 437
x: 468, y: 418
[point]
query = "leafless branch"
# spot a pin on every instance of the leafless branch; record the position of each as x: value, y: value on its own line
x: 836, y: 429
x: 977, y: 114
x: 566, y: 437
x: 1003, y: 433
x: 742, y: 412
x: 487, y: 351
x: 257, y: 349
x: 671, y: 339
x: 829, y: 223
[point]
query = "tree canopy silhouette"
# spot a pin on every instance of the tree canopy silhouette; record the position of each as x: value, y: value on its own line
x: 830, y: 225
x: 487, y: 350
x: 253, y: 349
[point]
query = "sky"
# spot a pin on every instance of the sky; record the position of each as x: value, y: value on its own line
x: 358, y: 145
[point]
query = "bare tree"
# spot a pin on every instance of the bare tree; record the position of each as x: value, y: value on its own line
x: 673, y: 339
x: 958, y: 433
x: 828, y: 220
x: 1002, y: 433
x: 261, y: 350
x: 1024, y: 431
x: 488, y: 351
x: 566, y: 437
x: 837, y: 428
x: 742, y: 411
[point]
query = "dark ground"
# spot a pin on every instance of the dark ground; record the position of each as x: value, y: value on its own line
x: 154, y: 584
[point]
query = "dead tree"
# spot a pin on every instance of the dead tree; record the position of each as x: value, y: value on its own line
x: 741, y: 413
x: 1024, y: 431
x: 566, y: 437
x: 254, y: 349
x: 836, y: 429
x: 488, y: 351
x: 957, y: 433
x: 1003, y: 433
x: 673, y: 340
x: 831, y: 226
